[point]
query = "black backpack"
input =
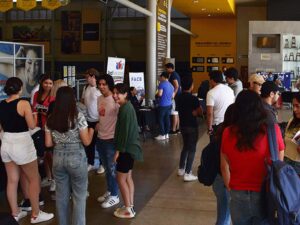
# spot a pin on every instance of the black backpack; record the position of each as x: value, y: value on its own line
x: 281, y: 188
x: 209, y: 164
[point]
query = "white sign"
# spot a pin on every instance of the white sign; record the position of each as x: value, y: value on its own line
x: 137, y: 80
x: 116, y: 68
x: 265, y: 56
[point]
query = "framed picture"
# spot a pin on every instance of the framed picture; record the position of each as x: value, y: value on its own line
x: 198, y: 69
x: 227, y: 60
x: 198, y: 60
x: 213, y: 60
x: 211, y: 68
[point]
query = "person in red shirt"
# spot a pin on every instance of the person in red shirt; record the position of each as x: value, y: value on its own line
x: 41, y: 102
x: 244, y: 153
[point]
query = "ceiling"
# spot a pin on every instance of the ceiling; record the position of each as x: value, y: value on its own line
x: 213, y: 8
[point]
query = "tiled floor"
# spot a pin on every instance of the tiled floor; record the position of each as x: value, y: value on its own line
x: 161, y: 198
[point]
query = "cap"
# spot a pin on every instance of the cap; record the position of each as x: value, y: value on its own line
x: 256, y: 78
x: 268, y: 87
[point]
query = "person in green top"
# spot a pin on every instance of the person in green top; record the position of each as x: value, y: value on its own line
x: 128, y: 149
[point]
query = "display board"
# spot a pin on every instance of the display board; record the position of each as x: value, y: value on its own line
x: 137, y: 80
x: 22, y: 60
x: 116, y: 68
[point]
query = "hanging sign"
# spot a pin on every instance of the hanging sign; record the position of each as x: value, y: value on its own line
x: 5, y: 5
x: 51, y: 4
x: 26, y: 5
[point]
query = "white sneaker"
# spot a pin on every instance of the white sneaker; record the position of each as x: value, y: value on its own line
x: 180, y: 172
x: 42, y: 217
x: 160, y: 137
x: 167, y: 136
x: 103, y: 197
x: 189, y: 177
x: 125, y: 212
x: 20, y: 215
x: 100, y: 170
x: 90, y: 167
x: 52, y: 186
x: 110, y: 201
x: 45, y: 182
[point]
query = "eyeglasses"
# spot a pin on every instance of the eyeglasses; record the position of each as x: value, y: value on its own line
x: 257, y: 83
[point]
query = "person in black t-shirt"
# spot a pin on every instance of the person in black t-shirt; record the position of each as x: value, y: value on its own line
x: 188, y: 109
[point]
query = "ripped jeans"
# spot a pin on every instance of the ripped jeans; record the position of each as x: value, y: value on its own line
x: 106, y: 150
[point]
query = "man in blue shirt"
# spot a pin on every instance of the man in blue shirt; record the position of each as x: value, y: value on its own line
x: 165, y: 93
x: 174, y: 79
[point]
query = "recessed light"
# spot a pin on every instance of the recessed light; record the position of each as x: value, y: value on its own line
x: 203, y: 9
x: 195, y: 1
x: 218, y: 9
x: 209, y: 15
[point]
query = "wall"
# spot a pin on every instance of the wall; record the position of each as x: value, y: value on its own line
x: 216, y: 38
x: 244, y: 15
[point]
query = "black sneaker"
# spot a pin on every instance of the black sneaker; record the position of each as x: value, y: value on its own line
x: 25, y: 205
x: 172, y: 132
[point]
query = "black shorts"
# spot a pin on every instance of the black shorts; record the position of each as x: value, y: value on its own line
x: 124, y: 162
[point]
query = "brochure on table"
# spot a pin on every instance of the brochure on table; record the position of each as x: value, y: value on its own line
x: 22, y: 60
x: 116, y: 68
x: 137, y: 80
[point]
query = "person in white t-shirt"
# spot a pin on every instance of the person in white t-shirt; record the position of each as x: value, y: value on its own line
x: 90, y: 95
x: 217, y: 101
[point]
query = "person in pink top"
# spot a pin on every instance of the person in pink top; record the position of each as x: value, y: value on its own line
x: 244, y: 154
x: 108, y: 112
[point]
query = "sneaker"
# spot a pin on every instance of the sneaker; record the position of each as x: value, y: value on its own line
x: 20, y: 215
x: 125, y: 212
x: 41, y: 217
x: 181, y: 172
x: 100, y: 170
x: 103, y: 197
x: 110, y: 201
x: 131, y: 208
x: 26, y: 206
x: 90, y: 167
x: 173, y: 132
x: 178, y: 131
x: 167, y: 136
x: 52, y: 186
x: 46, y: 182
x: 189, y: 177
x: 160, y: 137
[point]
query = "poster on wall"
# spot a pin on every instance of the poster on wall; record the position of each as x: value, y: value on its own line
x: 71, y: 32
x: 22, y: 60
x: 116, y: 68
x: 161, y: 34
x: 137, y: 80
x: 31, y: 33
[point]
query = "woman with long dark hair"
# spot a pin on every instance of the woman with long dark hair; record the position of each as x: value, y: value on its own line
x: 67, y: 130
x: 18, y: 151
x: 292, y: 141
x: 244, y: 153
x: 128, y: 149
x: 41, y: 102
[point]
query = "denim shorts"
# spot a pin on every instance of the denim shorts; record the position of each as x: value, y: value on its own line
x: 18, y: 148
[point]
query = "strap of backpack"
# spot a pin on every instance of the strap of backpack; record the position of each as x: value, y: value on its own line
x: 272, y: 142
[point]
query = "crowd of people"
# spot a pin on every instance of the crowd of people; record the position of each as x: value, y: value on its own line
x: 106, y: 122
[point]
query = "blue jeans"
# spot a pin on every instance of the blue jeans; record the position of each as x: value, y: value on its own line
x: 190, y: 138
x: 70, y: 174
x: 246, y: 208
x: 223, y: 201
x: 106, y: 150
x: 164, y: 119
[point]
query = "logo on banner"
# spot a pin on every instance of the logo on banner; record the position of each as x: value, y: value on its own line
x: 119, y: 65
x: 26, y: 4
x: 51, y: 4
x: 5, y: 5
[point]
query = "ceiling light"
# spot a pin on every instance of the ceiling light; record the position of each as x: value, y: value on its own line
x: 218, y: 9
x: 195, y: 1
x: 203, y: 9
x: 209, y: 15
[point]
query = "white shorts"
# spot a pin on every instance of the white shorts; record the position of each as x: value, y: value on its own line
x: 18, y: 148
x: 173, y: 111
